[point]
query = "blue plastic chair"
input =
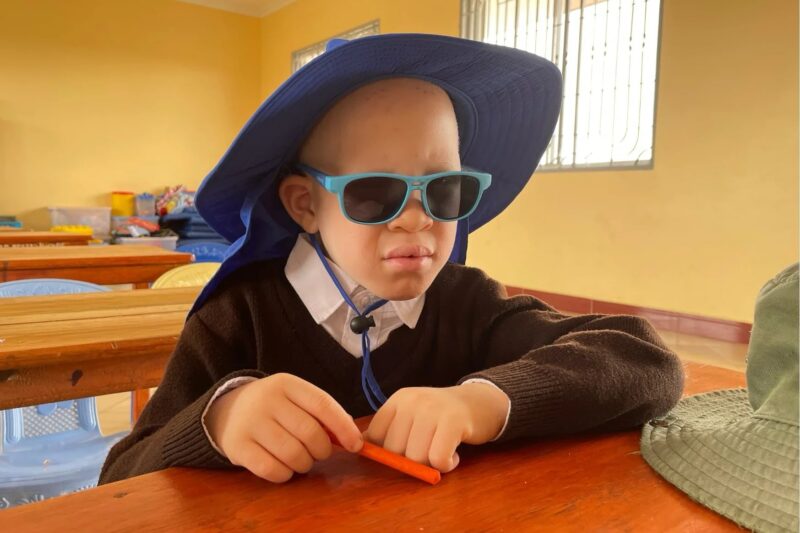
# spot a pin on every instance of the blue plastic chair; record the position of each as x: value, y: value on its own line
x: 205, y: 251
x: 55, y: 448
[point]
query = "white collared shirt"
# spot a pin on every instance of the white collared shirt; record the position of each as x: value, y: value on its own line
x: 314, y: 286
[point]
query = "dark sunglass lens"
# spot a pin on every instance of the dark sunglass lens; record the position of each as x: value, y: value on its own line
x: 451, y: 197
x: 373, y: 199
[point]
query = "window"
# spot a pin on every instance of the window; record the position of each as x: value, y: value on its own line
x: 607, y: 51
x: 301, y: 57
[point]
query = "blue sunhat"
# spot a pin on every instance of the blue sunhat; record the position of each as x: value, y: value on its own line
x: 506, y: 101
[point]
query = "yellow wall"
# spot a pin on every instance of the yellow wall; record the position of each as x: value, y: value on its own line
x: 98, y: 95
x: 306, y: 22
x: 717, y: 215
x: 101, y: 95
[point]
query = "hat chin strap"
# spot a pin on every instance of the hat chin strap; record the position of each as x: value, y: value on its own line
x: 359, y: 325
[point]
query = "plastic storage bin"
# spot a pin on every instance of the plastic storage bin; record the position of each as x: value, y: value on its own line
x: 99, y: 218
x: 145, y: 205
x: 168, y: 243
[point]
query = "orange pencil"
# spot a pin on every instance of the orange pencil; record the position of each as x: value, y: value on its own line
x: 398, y: 462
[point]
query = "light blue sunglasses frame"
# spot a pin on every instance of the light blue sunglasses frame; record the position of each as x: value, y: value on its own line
x: 337, y: 184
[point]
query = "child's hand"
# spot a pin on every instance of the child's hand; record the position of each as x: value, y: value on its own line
x: 427, y: 424
x: 274, y: 426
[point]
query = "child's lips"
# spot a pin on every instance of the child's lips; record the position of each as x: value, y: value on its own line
x: 409, y: 258
x: 409, y: 263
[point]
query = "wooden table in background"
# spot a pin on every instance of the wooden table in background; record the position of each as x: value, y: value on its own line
x: 41, y: 239
x: 105, y: 265
x: 588, y: 483
x: 76, y: 345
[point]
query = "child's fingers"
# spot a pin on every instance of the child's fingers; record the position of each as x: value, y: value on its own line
x: 442, y: 454
x: 305, y: 428
x: 379, y: 425
x: 283, y: 446
x: 260, y: 462
x: 397, y: 436
x: 327, y: 410
x: 420, y: 438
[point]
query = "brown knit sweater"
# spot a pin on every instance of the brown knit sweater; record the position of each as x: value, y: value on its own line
x: 563, y: 374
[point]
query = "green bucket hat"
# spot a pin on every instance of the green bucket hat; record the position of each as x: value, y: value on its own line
x: 735, y: 451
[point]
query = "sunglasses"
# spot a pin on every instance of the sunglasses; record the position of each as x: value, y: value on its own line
x: 379, y: 197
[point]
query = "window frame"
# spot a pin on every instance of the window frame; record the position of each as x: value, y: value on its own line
x: 372, y: 27
x: 474, y: 23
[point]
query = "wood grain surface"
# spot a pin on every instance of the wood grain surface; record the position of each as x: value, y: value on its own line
x: 586, y: 483
x: 42, y: 238
x: 105, y: 265
x: 77, y: 345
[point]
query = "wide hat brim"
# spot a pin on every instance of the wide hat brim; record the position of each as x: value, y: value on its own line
x: 507, y: 103
x: 711, y: 447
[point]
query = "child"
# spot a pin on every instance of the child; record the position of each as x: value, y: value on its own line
x: 345, y: 196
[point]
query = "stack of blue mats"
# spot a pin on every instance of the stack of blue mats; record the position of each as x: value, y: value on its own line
x: 191, y: 227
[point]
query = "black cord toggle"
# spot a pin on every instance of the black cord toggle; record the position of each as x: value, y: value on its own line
x: 361, y: 323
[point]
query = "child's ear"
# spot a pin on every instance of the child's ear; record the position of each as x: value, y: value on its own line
x: 295, y: 194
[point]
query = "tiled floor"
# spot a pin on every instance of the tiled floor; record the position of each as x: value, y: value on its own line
x: 703, y: 350
x: 114, y: 409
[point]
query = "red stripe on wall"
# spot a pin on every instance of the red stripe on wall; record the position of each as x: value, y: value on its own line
x: 701, y: 326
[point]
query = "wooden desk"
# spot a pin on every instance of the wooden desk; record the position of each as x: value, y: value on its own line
x: 72, y: 346
x: 106, y: 265
x: 597, y: 483
x: 41, y: 238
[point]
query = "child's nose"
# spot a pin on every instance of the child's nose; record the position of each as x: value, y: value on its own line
x: 413, y: 216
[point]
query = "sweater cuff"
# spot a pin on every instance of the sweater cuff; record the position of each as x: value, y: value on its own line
x: 536, y: 396
x: 508, y: 413
x: 186, y: 442
x: 226, y: 387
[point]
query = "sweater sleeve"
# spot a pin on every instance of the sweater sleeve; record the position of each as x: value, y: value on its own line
x: 567, y: 374
x: 214, y: 347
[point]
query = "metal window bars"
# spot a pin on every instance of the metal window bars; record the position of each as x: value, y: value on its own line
x: 304, y: 55
x: 607, y: 51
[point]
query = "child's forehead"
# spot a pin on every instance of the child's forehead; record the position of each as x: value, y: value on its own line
x: 379, y: 98
x: 392, y: 121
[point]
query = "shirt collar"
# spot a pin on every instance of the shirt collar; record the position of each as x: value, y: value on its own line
x: 316, y: 290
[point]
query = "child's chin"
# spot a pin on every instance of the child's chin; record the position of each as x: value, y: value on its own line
x: 403, y: 287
